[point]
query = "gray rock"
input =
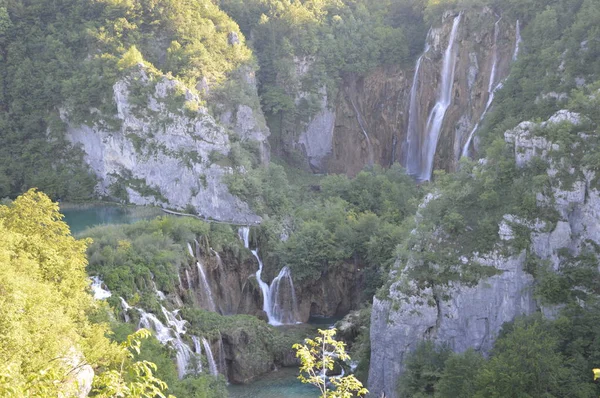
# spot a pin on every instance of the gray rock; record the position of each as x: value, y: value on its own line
x: 162, y: 154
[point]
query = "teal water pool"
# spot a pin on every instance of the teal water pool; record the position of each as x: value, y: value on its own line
x: 282, y: 383
x: 81, y: 217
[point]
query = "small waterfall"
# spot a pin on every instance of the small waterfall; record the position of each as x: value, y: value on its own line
x: 212, y: 366
x: 210, y: 302
x: 282, y: 314
x: 436, y: 117
x: 283, y: 297
x: 98, y: 291
x: 126, y: 307
x: 188, y: 280
x: 361, y: 123
x: 413, y: 139
x: 492, y: 88
x: 518, y: 41
x: 198, y: 351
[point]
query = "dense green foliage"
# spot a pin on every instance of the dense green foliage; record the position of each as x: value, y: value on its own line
x: 48, y: 318
x: 532, y: 357
x: 67, y: 54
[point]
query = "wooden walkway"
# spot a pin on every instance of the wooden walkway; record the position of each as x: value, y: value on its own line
x: 208, y: 220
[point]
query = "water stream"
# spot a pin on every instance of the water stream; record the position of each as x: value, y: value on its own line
x: 518, y: 41
x: 492, y: 88
x: 281, y: 308
x: 438, y: 112
x: 212, y: 365
x: 413, y: 138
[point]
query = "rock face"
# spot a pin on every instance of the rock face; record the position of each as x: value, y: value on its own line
x: 334, y: 139
x: 163, y: 152
x: 473, y: 316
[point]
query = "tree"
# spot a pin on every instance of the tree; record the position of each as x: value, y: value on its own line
x: 317, y: 357
x: 48, y: 344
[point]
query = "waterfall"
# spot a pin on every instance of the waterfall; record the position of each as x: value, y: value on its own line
x: 188, y: 279
x: 126, y: 307
x: 436, y: 117
x: 212, y: 366
x: 492, y: 88
x: 277, y: 313
x: 98, y: 291
x: 203, y: 283
x: 207, y: 292
x: 198, y: 351
x: 412, y: 142
x: 170, y: 335
x: 518, y: 41
x: 361, y: 123
x: 282, y: 287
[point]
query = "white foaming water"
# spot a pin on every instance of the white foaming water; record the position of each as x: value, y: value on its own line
x: 212, y: 366
x: 436, y: 117
x: 412, y: 144
x: 188, y: 279
x: 274, y: 299
x: 126, y: 307
x: 492, y: 88
x: 99, y: 292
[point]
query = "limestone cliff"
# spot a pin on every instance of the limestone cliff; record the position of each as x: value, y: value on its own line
x: 368, y: 120
x: 163, y: 147
x: 471, y: 316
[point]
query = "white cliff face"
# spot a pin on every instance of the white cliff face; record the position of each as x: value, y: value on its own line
x: 317, y: 138
x: 473, y: 316
x: 162, y: 154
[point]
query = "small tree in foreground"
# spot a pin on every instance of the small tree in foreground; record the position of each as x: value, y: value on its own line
x: 317, y: 357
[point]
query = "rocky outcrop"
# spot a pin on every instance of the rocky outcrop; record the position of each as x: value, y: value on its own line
x: 335, y: 139
x: 471, y: 316
x: 165, y: 149
x: 334, y: 294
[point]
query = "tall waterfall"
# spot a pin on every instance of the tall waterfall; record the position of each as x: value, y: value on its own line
x: 212, y: 366
x: 492, y: 88
x: 222, y: 365
x: 361, y: 123
x: 281, y: 308
x: 413, y: 139
x: 518, y: 41
x: 436, y: 117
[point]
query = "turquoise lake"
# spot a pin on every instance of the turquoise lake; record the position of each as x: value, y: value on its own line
x: 81, y: 217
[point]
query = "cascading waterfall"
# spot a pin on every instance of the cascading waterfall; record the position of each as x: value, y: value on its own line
x: 438, y: 112
x: 413, y: 139
x: 492, y: 88
x: 170, y: 334
x: 518, y: 41
x: 361, y: 123
x: 283, y: 297
x: 274, y: 305
x: 212, y: 366
x: 99, y: 292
